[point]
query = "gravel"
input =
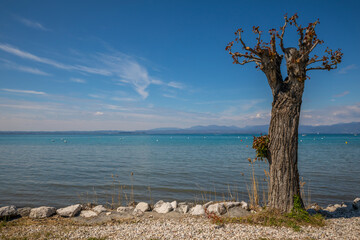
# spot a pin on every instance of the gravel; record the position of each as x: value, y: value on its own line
x: 186, y: 227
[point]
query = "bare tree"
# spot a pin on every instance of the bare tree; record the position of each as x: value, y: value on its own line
x: 282, y: 152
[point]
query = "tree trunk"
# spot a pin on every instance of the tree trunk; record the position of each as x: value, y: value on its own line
x: 283, y: 148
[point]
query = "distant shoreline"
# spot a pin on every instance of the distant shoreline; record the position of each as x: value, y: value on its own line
x: 114, y: 133
x: 341, y: 128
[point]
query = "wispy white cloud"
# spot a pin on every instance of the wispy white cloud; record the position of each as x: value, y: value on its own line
x: 31, y: 70
x: 169, y: 95
x: 26, y: 55
x: 98, y: 113
x: 31, y: 23
x: 23, y: 91
x: 331, y: 115
x: 175, y: 85
x: 21, y: 68
x: 124, y: 99
x: 341, y: 94
x: 130, y: 72
x: 157, y: 82
x: 78, y: 80
x: 127, y: 69
x: 348, y: 68
x: 100, y: 96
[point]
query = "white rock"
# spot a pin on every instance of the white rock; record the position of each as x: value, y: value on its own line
x: 69, y: 211
x: 197, y: 210
x: 159, y: 203
x: 142, y: 206
x: 356, y: 203
x: 183, y: 208
x: 217, y: 208
x: 164, y: 208
x: 42, y: 212
x: 108, y: 213
x: 208, y: 204
x: 99, y: 209
x: 88, y: 213
x: 125, y: 209
x: 244, y: 205
x: 8, y: 211
x: 231, y: 204
x: 174, y: 204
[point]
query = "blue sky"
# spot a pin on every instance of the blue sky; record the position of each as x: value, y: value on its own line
x: 133, y: 65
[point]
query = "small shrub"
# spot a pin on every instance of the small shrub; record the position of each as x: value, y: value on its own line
x: 215, y: 219
x: 261, y: 145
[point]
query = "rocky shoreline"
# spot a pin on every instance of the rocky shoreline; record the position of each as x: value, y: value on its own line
x: 168, y: 220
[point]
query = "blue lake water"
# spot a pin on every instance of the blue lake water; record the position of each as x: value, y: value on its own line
x: 58, y: 170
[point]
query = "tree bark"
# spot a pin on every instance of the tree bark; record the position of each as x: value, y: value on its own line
x: 283, y: 148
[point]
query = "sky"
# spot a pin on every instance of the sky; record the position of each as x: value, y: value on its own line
x: 138, y: 65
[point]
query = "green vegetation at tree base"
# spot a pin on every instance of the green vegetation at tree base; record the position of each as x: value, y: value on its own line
x: 270, y: 217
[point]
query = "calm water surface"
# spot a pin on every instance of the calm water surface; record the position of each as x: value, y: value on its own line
x: 58, y: 170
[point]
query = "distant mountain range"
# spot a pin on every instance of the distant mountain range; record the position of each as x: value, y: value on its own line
x: 341, y: 128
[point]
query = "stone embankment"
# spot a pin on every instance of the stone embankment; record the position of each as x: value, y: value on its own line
x: 169, y: 220
x: 233, y: 209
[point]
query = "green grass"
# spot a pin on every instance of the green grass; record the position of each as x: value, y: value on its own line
x: 295, y: 219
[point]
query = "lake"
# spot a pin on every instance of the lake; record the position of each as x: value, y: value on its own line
x: 59, y: 170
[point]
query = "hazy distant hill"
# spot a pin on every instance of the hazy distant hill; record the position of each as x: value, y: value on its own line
x: 341, y: 128
x: 344, y: 128
x: 349, y: 128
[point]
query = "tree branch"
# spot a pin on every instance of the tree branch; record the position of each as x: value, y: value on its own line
x: 306, y: 54
x: 282, y: 34
x: 329, y: 67
x: 237, y: 54
x: 239, y: 31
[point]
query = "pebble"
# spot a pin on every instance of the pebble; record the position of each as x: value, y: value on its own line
x: 186, y: 228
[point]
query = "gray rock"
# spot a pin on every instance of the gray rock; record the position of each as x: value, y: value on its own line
x: 137, y: 212
x: 142, y: 206
x: 337, y: 210
x: 99, y: 209
x: 237, y: 212
x: 69, y: 211
x: 183, y: 208
x: 164, y: 208
x: 347, y: 207
x: 125, y: 209
x: 24, y: 212
x: 312, y: 211
x: 231, y: 204
x: 174, y: 204
x: 42, y: 212
x: 8, y: 211
x: 197, y: 210
x: 159, y: 203
x: 217, y: 208
x: 88, y: 213
x: 356, y: 203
